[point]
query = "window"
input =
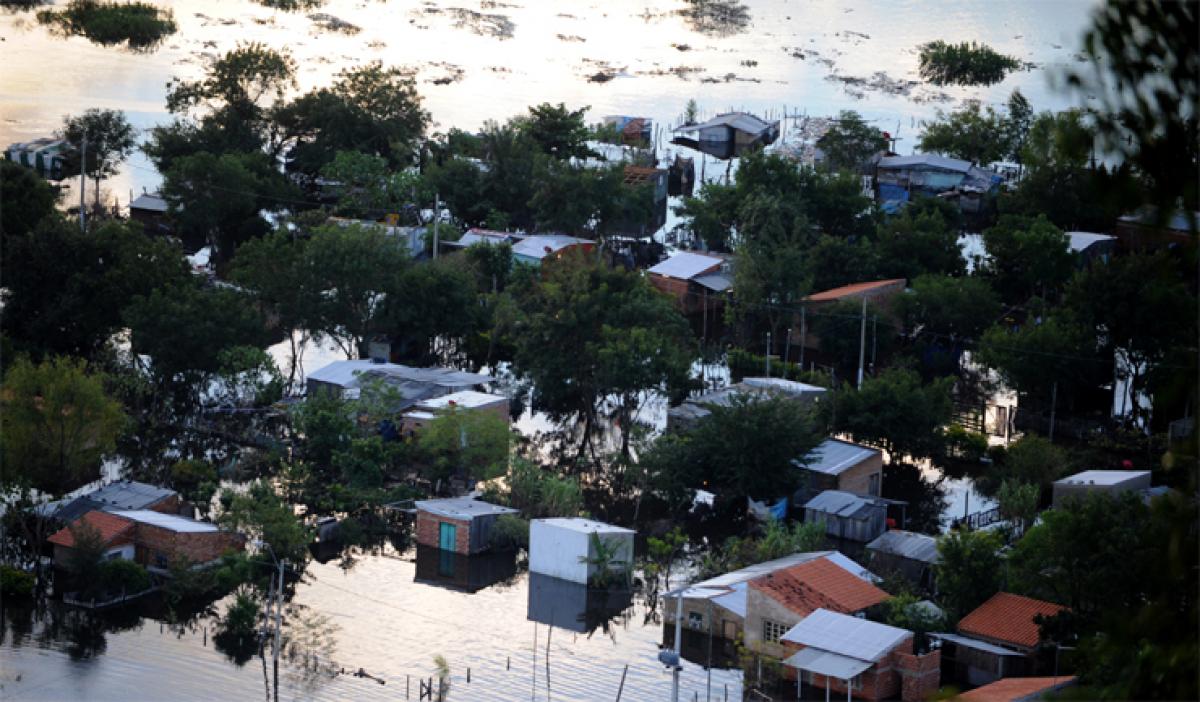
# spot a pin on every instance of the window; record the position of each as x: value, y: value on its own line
x: 160, y: 559
x: 695, y: 620
x: 873, y: 484
x: 772, y: 631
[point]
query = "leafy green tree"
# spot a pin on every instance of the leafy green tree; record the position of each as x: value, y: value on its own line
x: 954, y: 307
x: 587, y: 332
x: 110, y: 140
x: 86, y: 558
x: 27, y: 200
x: 65, y: 291
x: 467, y: 443
x: 850, y: 142
x: 970, y: 133
x: 326, y: 427
x: 366, y: 187
x: 196, y: 480
x: 744, y: 449
x: 770, y: 276
x: 777, y: 541
x: 918, y: 241
x: 968, y: 571
x: 263, y: 515
x: 906, y: 612
x: 449, y: 312
x: 1018, y: 503
x: 356, y: 269
x: 56, y: 425
x: 541, y: 492
x: 1142, y: 69
x: 1035, y: 356
x: 964, y: 64
x: 1027, y: 257
x: 559, y: 132
x: 371, y: 109
x: 1017, y: 125
x: 835, y: 261
x: 839, y: 327
x: 122, y: 576
x: 896, y: 411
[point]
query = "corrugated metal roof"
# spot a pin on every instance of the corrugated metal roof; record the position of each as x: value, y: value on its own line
x: 717, y: 282
x: 349, y: 374
x: 1103, y: 477
x: 734, y: 600
x: 848, y: 291
x: 846, y: 635
x: 481, y: 236
x: 907, y: 544
x: 468, y: 399
x: 822, y: 662
x: 685, y: 265
x: 925, y: 160
x: 462, y: 507
x: 843, y: 504
x: 742, y: 121
x: 130, y: 494
x: 171, y: 522
x: 535, y: 246
x: 1082, y: 240
x: 976, y: 644
x: 149, y: 201
x: 834, y: 456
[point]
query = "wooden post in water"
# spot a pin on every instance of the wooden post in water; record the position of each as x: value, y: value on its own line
x: 621, y: 688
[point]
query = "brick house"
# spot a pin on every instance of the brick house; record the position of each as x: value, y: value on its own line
x: 845, y: 655
x: 150, y: 538
x: 777, y: 601
x: 697, y: 281
x: 878, y: 294
x: 1000, y: 638
x: 459, y: 524
x: 840, y: 465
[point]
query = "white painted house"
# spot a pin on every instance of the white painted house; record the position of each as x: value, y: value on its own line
x: 564, y: 548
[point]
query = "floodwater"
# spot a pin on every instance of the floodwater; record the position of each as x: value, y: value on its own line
x: 483, y: 61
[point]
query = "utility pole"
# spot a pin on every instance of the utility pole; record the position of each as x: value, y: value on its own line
x: 874, y: 340
x: 767, y: 359
x: 82, y: 185
x: 278, y: 626
x: 862, y: 344
x: 678, y: 646
x: 437, y: 214
x: 803, y: 333
x: 787, y: 350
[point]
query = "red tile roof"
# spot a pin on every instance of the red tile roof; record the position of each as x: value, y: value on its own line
x: 1010, y: 689
x: 851, y: 290
x: 817, y: 584
x: 1008, y: 618
x: 110, y: 527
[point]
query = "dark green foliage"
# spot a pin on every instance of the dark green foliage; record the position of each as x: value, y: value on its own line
x: 262, y: 514
x: 777, y: 541
x: 1031, y: 460
x: 65, y: 291
x: 743, y: 450
x: 896, y: 411
x: 139, y: 25
x: 541, y: 492
x: 949, y: 307
x: 121, y: 576
x: 196, y: 480
x: 1027, y: 257
x: 850, y: 143
x: 905, y: 612
x: 559, y: 132
x: 977, y: 134
x: 964, y: 64
x: 969, y: 571
x: 15, y: 583
x: 27, y: 200
x: 918, y: 241
x: 835, y: 261
x: 110, y: 140
x: 1033, y: 357
x: 839, y: 327
x: 509, y: 533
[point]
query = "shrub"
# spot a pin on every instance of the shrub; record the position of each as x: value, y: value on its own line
x: 138, y: 24
x: 965, y: 445
x: 121, y: 575
x: 964, y: 64
x: 15, y: 582
x: 510, y: 532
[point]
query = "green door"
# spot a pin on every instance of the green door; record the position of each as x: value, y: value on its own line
x: 447, y: 536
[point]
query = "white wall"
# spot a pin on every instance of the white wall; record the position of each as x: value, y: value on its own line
x: 557, y: 551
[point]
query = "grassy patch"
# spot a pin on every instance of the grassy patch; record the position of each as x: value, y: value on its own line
x: 140, y: 25
x: 965, y: 64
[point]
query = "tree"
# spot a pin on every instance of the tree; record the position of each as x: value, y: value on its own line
x: 65, y: 291
x: 263, y: 516
x: 839, y: 327
x: 1037, y: 356
x: 366, y: 187
x: 196, y: 480
x: 467, y: 443
x: 587, y: 332
x: 834, y: 261
x: 1143, y: 70
x: 959, y: 308
x: 541, y: 492
x: 110, y: 139
x: 369, y: 109
x: 745, y: 449
x: 432, y: 331
x: 355, y: 269
x: 559, y: 132
x: 1031, y: 460
x: 27, y: 200
x: 57, y: 423
x: 905, y: 611
x: 850, y: 142
x: 1018, y: 503
x: 964, y: 64
x: 970, y: 133
x: 917, y: 241
x: 770, y: 278
x: 1027, y: 257
x: 968, y: 571
x: 896, y: 411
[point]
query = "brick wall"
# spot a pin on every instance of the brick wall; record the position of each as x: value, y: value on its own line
x: 197, y: 547
x: 167, y: 505
x: 881, y: 681
x: 428, y: 531
x: 920, y: 676
x: 857, y: 479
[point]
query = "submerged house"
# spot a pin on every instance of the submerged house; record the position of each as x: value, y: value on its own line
x: 1111, y: 482
x: 120, y: 496
x: 688, y: 414
x: 850, y: 517
x: 656, y: 180
x: 426, y: 411
x: 908, y: 553
x: 859, y: 658
x: 635, y: 131
x: 150, y: 210
x: 457, y: 524
x: 153, y: 539
x: 899, y: 179
x: 48, y: 156
x: 999, y: 638
x: 840, y: 465
x: 536, y: 248
x: 728, y: 134
x: 346, y: 379
x: 697, y: 281
x: 568, y: 549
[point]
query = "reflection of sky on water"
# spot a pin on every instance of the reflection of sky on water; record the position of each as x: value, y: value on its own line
x: 46, y: 77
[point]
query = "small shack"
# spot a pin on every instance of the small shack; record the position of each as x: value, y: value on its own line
x: 1088, y: 247
x: 697, y: 281
x: 847, y: 516
x: 908, y: 553
x: 345, y: 379
x: 426, y: 411
x: 841, y: 465
x: 150, y: 210
x: 688, y: 414
x: 48, y: 156
x: 899, y: 179
x: 729, y: 134
x: 1112, y: 482
x: 459, y: 524
x: 536, y: 248
x: 569, y: 548
x: 999, y: 638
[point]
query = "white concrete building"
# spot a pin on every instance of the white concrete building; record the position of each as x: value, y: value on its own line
x: 565, y: 548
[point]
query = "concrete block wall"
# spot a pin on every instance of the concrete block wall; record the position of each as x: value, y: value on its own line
x: 197, y: 547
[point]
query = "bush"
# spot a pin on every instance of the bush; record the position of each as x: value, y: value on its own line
x: 964, y: 64
x: 15, y: 582
x: 965, y: 445
x: 509, y: 533
x: 121, y: 575
x: 743, y: 363
x: 138, y: 24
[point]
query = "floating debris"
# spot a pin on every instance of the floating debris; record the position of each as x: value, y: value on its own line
x: 570, y: 37
x: 879, y: 81
x: 717, y: 18
x: 749, y: 63
x: 681, y: 47
x: 452, y: 73
x: 499, y: 26
x: 333, y: 24
x: 681, y: 72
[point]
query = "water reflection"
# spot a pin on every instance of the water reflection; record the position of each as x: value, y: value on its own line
x: 456, y: 571
x: 575, y: 607
x: 716, y: 18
